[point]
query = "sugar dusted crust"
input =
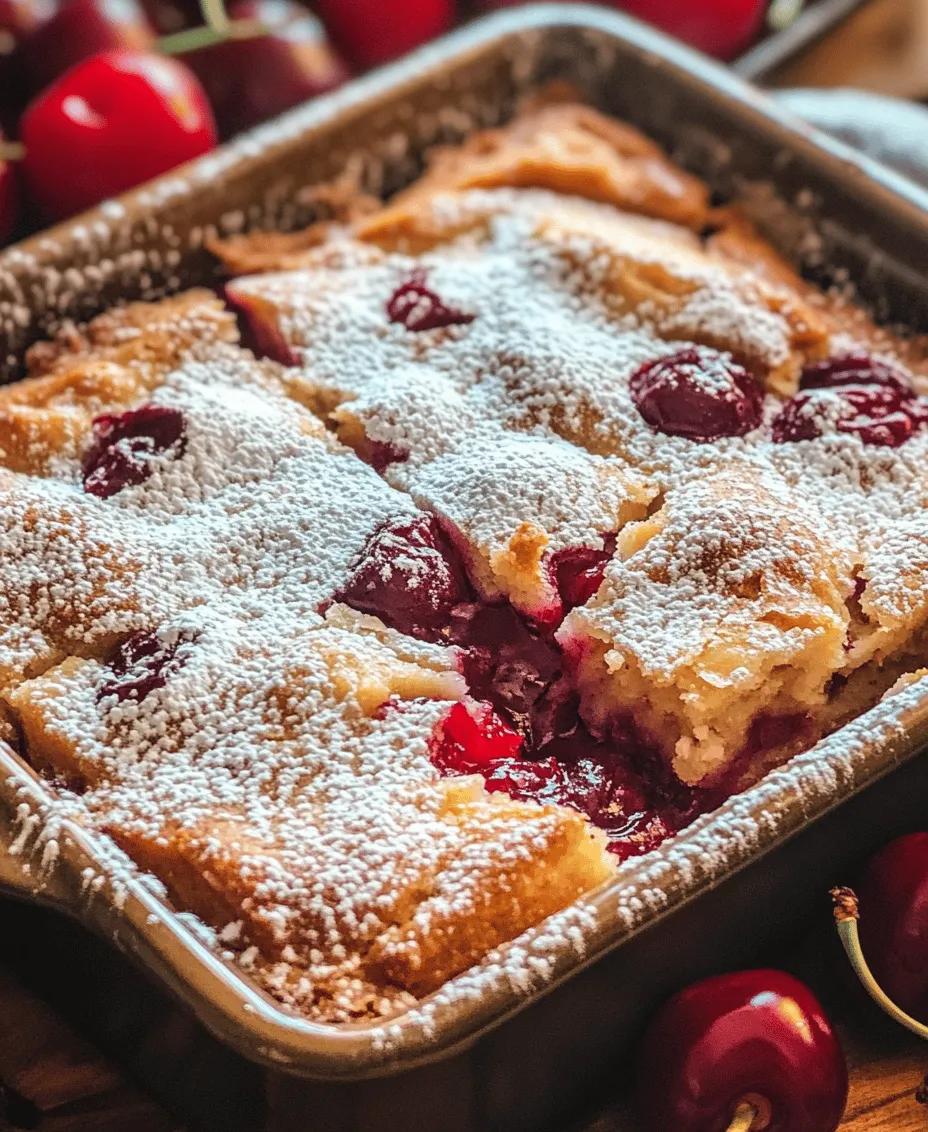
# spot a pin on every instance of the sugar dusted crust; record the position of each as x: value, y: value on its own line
x: 383, y: 646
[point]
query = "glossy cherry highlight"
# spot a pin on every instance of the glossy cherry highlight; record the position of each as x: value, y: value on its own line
x: 752, y: 1038
x: 109, y: 124
x: 78, y: 30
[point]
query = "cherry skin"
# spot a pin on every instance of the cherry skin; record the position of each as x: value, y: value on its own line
x: 852, y: 393
x: 697, y: 393
x: 759, y: 1036
x: 109, y: 124
x: 894, y: 922
x: 371, y: 32
x: 78, y: 30
x: 251, y: 80
x: 718, y: 27
x: 408, y: 576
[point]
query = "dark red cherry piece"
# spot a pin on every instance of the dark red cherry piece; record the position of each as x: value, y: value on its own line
x: 754, y: 1036
x: 258, y: 329
x: 852, y: 393
x: 251, y: 80
x: 371, y: 31
x: 578, y: 571
x: 854, y: 368
x: 408, y: 576
x: 78, y: 30
x: 697, y: 393
x: 124, y: 445
x: 418, y: 307
x: 142, y: 663
x: 894, y: 922
x: 878, y: 414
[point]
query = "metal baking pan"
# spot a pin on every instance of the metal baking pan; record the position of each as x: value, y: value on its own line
x: 496, y: 1053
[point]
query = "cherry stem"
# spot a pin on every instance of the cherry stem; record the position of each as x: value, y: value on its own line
x: 847, y: 913
x: 215, y: 15
x: 195, y: 38
x: 743, y: 1120
x: 12, y: 151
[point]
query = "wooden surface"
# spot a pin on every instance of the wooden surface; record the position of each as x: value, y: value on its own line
x: 60, y: 1083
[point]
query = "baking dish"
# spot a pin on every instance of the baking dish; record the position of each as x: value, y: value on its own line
x: 515, y: 1044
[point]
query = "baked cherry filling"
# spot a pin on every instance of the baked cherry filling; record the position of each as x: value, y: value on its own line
x: 141, y: 663
x: 852, y: 393
x: 697, y: 393
x: 408, y: 576
x: 521, y: 727
x: 578, y: 571
x: 258, y: 331
x: 417, y: 306
x: 125, y: 444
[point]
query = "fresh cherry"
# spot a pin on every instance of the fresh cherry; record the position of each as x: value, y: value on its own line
x: 852, y: 393
x: 893, y: 899
x: 78, y: 30
x: 372, y: 32
x: 718, y: 27
x: 141, y: 664
x: 418, y: 307
x: 758, y: 1038
x: 110, y: 123
x: 9, y: 197
x: 408, y: 576
x: 697, y: 393
x: 123, y: 447
x: 251, y: 80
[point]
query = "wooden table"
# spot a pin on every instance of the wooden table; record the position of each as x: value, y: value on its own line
x: 60, y: 1083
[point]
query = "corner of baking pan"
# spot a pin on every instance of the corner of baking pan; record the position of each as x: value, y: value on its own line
x: 58, y: 862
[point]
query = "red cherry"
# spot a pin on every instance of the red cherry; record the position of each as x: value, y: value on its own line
x: 408, y: 576
x: 141, y: 664
x: 854, y: 368
x: 894, y: 922
x: 697, y: 393
x: 251, y: 80
x: 719, y: 27
x: 9, y: 197
x: 417, y: 307
x: 578, y: 572
x: 755, y: 1036
x: 78, y: 30
x: 110, y: 123
x: 372, y: 32
x: 123, y: 447
x: 473, y: 736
